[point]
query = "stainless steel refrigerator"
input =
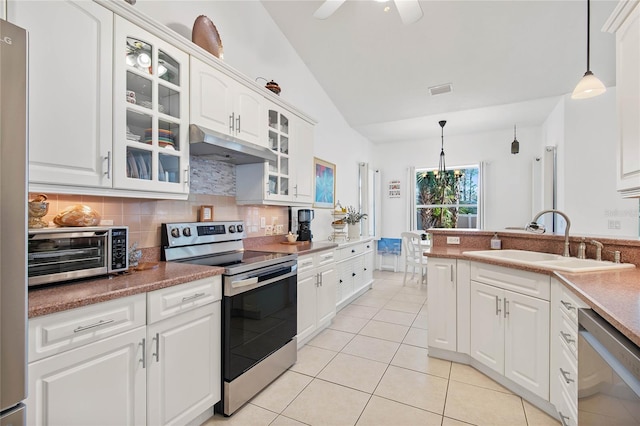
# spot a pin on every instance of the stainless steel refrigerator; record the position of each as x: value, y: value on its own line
x: 13, y: 224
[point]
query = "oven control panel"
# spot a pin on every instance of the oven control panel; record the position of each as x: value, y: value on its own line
x: 191, y: 233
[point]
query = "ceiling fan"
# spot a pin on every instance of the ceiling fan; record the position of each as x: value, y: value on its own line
x: 409, y: 10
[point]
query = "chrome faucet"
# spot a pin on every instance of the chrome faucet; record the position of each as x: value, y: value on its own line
x: 599, y: 246
x: 534, y: 226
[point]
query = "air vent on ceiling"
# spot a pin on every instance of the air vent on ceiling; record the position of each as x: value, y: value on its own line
x: 441, y: 89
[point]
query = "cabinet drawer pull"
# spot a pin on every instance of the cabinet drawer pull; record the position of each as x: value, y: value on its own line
x: 195, y: 296
x: 231, y: 120
x: 562, y: 419
x: 144, y: 353
x: 568, y: 306
x: 567, y: 337
x: 506, y: 307
x: 566, y: 376
x: 238, y: 124
x: 97, y: 324
x: 498, y: 310
x: 157, y: 352
x: 108, y: 172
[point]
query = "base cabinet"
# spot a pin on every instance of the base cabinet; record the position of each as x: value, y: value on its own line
x: 355, y: 270
x: 316, y: 293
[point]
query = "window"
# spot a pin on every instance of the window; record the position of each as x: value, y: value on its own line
x: 449, y: 202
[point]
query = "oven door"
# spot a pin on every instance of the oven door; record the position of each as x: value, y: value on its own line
x: 259, y: 316
x: 608, y: 374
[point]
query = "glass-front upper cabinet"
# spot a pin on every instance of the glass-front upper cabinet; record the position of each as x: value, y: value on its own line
x: 151, y: 117
x: 278, y: 139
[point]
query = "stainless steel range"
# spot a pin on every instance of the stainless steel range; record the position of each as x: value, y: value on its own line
x: 259, y: 304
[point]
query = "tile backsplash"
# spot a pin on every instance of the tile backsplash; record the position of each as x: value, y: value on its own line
x: 144, y: 217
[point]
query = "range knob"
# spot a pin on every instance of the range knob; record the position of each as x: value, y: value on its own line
x: 186, y: 232
x: 240, y: 228
x: 232, y: 229
x: 175, y: 232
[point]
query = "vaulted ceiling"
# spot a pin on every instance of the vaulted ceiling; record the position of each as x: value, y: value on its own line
x: 508, y: 61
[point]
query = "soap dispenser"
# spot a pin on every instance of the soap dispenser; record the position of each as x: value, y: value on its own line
x: 496, y: 243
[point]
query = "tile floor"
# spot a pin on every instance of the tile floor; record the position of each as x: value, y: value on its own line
x: 370, y: 367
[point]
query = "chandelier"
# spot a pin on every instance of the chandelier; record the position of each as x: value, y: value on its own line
x: 441, y: 175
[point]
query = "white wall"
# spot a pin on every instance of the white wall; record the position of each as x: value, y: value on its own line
x: 254, y: 45
x: 508, y: 176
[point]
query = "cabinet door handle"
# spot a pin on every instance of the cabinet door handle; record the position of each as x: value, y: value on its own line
x: 144, y: 352
x: 94, y: 325
x: 231, y: 120
x: 451, y: 273
x: 157, y: 352
x: 567, y: 337
x: 506, y: 307
x: 568, y: 306
x: 321, y: 280
x: 295, y: 191
x: 498, y: 310
x: 353, y: 274
x: 108, y: 158
x: 353, y: 250
x: 567, y: 376
x: 195, y: 296
x: 238, y: 124
x: 562, y: 419
x: 186, y: 176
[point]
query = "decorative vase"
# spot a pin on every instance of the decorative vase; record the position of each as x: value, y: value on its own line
x: 354, y: 231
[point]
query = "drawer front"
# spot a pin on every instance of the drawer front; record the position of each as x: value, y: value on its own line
x: 305, y: 263
x: 525, y: 282
x: 569, y: 304
x: 568, y: 372
x: 59, y: 332
x: 326, y: 257
x: 567, y: 408
x: 171, y: 301
x: 350, y: 251
x: 568, y: 334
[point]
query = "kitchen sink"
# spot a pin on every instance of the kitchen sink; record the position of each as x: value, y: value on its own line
x: 548, y: 261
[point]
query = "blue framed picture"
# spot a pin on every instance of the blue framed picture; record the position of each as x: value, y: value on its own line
x: 324, y: 184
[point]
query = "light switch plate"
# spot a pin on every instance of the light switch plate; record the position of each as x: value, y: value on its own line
x: 268, y: 230
x: 279, y: 229
x: 453, y: 240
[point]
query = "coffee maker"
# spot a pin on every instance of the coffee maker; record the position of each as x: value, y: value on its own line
x: 305, y: 216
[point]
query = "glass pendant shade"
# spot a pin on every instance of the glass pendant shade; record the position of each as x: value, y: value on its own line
x: 515, y: 145
x: 588, y: 87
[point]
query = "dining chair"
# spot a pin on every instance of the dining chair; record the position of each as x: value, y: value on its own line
x: 414, y: 257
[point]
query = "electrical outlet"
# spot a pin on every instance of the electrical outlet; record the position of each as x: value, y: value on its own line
x: 268, y: 230
x: 263, y: 222
x: 614, y: 224
x: 279, y: 229
x: 453, y: 240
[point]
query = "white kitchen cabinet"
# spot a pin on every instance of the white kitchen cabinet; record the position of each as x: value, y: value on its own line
x: 289, y: 179
x: 316, y: 293
x: 354, y: 266
x: 441, y: 303
x: 625, y: 23
x: 87, y: 365
x: 222, y: 104
x: 510, y: 329
x: 151, y: 112
x: 70, y: 97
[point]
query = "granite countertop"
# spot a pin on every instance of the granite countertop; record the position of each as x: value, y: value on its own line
x: 299, y: 247
x: 56, y: 298
x: 614, y: 295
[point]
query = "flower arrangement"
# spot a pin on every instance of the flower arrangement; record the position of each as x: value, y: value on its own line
x: 354, y: 216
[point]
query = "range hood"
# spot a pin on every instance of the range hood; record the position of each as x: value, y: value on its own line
x: 227, y: 148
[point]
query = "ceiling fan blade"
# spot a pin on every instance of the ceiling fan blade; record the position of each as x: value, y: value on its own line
x: 409, y: 11
x: 327, y: 8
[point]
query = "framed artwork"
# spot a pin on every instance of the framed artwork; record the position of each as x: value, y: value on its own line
x: 206, y: 213
x: 324, y: 194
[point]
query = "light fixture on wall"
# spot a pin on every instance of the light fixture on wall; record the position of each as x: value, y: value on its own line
x: 589, y: 86
x: 515, y: 145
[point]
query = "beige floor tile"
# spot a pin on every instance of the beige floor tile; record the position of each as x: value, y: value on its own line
x: 366, y: 312
x: 410, y: 297
x: 423, y: 310
x: 395, y: 317
x: 383, y: 412
x: 384, y: 330
x: 383, y: 293
x: 483, y: 406
x: 537, y: 417
x: 414, y: 288
x: 420, y: 322
x: 282, y: 391
x: 324, y: 403
x: 467, y: 374
x: 371, y: 300
x: 346, y: 323
x: 286, y: 421
x: 333, y: 340
x: 416, y: 337
x: 312, y: 360
x: 372, y: 348
x: 354, y: 372
x: 417, y: 359
x: 446, y: 421
x: 396, y: 305
x: 249, y: 415
x: 413, y: 388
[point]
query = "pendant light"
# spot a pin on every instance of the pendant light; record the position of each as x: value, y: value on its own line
x: 589, y: 86
x: 515, y: 145
x: 442, y: 168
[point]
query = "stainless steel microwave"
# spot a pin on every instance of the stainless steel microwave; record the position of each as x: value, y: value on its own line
x: 62, y: 254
